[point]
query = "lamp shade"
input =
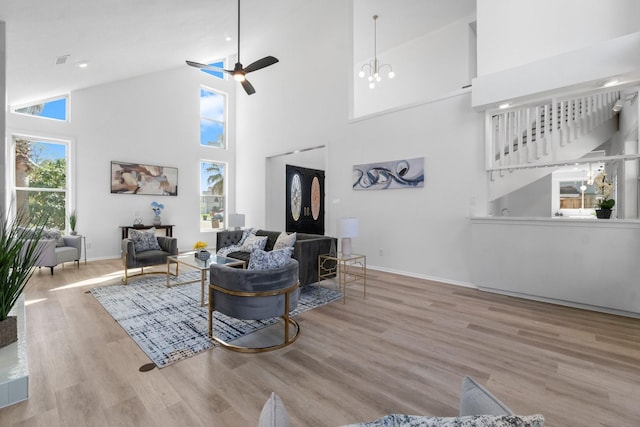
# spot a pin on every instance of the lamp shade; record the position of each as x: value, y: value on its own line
x: 347, y: 227
x: 236, y: 220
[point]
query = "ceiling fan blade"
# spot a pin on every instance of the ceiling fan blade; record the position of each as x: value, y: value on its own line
x: 199, y: 65
x: 248, y: 87
x: 261, y: 63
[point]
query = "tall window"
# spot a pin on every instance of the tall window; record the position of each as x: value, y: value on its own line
x: 41, y: 179
x: 212, y: 195
x: 55, y: 108
x: 212, y: 118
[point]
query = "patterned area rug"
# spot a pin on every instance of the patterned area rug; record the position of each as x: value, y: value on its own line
x: 169, y: 324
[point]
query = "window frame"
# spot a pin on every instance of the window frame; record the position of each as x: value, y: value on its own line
x: 66, y: 97
x: 69, y: 190
x: 225, y: 118
x: 202, y: 213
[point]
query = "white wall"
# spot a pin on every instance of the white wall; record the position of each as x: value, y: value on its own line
x: 426, y: 68
x: 561, y: 260
x: 513, y: 33
x: 150, y: 119
x: 420, y: 231
x: 3, y: 96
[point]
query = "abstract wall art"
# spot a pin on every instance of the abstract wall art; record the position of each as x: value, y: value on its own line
x: 388, y: 175
x: 138, y: 178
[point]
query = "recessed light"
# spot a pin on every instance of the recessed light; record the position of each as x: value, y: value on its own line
x: 503, y: 106
x: 83, y: 64
x: 610, y: 83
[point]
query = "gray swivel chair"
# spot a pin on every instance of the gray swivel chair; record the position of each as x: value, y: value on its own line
x: 140, y: 259
x: 255, y: 295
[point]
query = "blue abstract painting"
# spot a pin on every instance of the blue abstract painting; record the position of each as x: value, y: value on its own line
x: 390, y: 174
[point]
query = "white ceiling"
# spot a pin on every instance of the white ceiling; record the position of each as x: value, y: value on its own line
x: 125, y: 38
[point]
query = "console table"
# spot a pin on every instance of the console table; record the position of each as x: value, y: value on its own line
x: 168, y: 229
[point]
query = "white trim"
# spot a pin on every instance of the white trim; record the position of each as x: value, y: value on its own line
x: 444, y: 96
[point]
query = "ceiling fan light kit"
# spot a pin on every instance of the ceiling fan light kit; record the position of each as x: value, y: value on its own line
x: 374, y: 66
x: 239, y: 72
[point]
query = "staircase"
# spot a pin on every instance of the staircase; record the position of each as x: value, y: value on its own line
x: 520, y: 141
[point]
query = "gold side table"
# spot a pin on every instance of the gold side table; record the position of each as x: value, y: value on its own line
x: 347, y: 268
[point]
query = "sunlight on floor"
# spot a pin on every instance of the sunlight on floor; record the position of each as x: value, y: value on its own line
x: 34, y: 301
x: 93, y: 281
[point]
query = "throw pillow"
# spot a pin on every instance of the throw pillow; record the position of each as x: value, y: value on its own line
x: 274, y: 413
x: 253, y: 242
x: 246, y: 233
x: 53, y: 234
x: 262, y: 260
x: 144, y: 240
x: 399, y: 420
x: 227, y: 250
x: 477, y: 400
x: 285, y: 241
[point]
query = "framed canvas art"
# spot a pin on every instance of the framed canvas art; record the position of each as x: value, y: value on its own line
x: 387, y: 175
x: 138, y: 178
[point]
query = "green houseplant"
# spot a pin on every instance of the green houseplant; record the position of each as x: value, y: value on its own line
x: 73, y: 220
x: 19, y: 251
x: 605, y: 204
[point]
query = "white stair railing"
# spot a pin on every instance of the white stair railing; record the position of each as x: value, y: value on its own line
x: 523, y: 136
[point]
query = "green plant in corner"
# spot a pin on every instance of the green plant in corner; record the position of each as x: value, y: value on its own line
x: 73, y: 220
x: 19, y: 251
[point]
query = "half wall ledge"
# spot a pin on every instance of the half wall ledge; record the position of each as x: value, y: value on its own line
x: 591, y: 264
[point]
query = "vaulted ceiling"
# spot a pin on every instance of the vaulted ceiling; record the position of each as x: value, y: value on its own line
x: 120, y: 39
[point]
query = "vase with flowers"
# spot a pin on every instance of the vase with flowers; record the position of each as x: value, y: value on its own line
x: 605, y: 204
x: 157, y: 210
x: 201, y: 251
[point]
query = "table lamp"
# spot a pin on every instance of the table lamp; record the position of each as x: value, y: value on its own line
x: 347, y: 228
x: 236, y: 220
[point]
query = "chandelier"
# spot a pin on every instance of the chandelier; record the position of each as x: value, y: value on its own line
x: 374, y: 67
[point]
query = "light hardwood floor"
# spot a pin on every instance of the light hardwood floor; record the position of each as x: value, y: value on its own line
x: 404, y: 349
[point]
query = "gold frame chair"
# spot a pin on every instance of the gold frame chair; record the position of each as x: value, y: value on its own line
x: 285, y: 317
x: 164, y: 242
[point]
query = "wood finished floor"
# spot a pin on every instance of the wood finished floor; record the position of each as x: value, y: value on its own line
x: 404, y: 349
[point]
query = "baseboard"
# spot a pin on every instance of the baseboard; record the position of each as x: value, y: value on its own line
x: 423, y: 276
x: 562, y: 302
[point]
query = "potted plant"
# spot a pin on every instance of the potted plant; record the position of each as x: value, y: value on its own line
x: 73, y: 219
x: 157, y: 210
x: 19, y: 251
x: 605, y: 204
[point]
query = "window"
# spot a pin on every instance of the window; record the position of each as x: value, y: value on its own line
x: 41, y: 179
x: 214, y: 73
x: 212, y: 118
x: 52, y: 109
x: 212, y: 195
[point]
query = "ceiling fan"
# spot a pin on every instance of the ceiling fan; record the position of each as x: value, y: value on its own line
x: 238, y: 72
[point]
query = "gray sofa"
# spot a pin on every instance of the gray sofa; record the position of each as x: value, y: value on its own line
x: 478, y: 408
x: 305, y: 251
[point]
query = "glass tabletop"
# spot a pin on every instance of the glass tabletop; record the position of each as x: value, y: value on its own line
x: 189, y: 258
